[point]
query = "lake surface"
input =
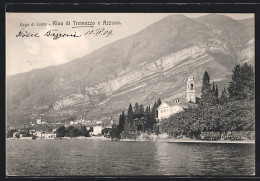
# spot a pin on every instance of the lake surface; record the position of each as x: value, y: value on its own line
x: 99, y: 157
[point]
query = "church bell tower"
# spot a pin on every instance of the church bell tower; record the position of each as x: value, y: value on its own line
x: 191, y: 89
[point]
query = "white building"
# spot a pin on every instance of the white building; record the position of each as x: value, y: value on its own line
x: 165, y: 110
x: 42, y: 135
x: 48, y: 136
x: 39, y: 121
x: 97, y: 130
x: 168, y: 108
x: 16, y: 135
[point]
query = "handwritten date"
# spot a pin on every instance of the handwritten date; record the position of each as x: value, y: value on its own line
x: 100, y: 31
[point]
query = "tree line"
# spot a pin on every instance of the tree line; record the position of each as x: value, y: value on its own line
x: 234, y: 110
x: 71, y: 131
x: 137, y: 119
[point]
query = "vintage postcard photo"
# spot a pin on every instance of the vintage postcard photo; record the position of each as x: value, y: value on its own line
x: 135, y: 94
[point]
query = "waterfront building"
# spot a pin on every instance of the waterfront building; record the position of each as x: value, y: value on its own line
x: 38, y: 134
x: 165, y: 110
x: 97, y: 130
x: 16, y: 135
x: 88, y: 123
x: 170, y: 107
x: 31, y: 131
x: 48, y: 135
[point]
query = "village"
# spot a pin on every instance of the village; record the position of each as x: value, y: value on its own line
x: 95, y: 128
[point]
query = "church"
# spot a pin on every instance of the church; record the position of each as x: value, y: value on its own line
x: 166, y: 109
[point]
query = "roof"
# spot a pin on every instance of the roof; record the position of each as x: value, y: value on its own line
x: 176, y: 102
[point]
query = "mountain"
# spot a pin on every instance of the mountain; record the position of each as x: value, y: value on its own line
x: 152, y: 63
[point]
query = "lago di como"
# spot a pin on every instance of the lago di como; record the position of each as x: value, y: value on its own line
x: 163, y: 94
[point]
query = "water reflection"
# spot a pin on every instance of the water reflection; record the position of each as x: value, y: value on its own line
x: 97, y: 157
x: 205, y: 159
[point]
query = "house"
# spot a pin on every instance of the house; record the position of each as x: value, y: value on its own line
x: 38, y: 134
x: 97, y: 130
x: 39, y: 121
x: 170, y: 107
x: 165, y: 110
x: 87, y: 123
x: 44, y: 135
x: 16, y: 135
x: 48, y: 135
x: 31, y: 131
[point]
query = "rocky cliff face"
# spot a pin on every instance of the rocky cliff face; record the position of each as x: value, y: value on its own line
x: 199, y: 54
x: 140, y: 68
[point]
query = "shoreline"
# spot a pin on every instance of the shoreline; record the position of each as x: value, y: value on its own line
x: 159, y: 140
x: 192, y: 141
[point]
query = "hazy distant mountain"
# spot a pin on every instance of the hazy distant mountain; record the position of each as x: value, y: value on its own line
x: 140, y: 68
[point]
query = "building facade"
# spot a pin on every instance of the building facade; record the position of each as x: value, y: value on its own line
x: 165, y: 110
x: 168, y: 108
x: 97, y: 130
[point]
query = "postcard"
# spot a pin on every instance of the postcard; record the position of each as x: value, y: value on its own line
x: 130, y: 94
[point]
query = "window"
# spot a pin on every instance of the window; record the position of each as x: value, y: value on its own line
x: 191, y: 87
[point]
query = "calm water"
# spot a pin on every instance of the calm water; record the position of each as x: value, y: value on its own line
x: 98, y: 157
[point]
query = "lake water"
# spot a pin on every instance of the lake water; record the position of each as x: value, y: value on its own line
x: 99, y: 157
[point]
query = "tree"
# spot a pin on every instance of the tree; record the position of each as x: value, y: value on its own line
x: 213, y: 87
x: 129, y: 122
x: 224, y: 96
x: 27, y: 134
x: 136, y: 110
x: 148, y: 120
x: 130, y: 115
x: 61, y: 131
x: 158, y: 103
x: 141, y: 111
x: 208, y: 96
x: 153, y: 113
x: 10, y: 133
x: 205, y: 84
x: 114, y: 133
x: 242, y: 85
x: 73, y: 132
x: 84, y: 131
x: 216, y: 93
x: 121, y: 122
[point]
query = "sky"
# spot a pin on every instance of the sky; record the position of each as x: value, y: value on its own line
x: 27, y: 53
